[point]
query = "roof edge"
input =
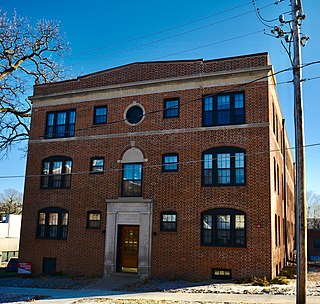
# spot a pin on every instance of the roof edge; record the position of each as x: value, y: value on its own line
x: 154, y: 62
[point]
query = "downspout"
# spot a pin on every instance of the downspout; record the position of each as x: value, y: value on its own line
x: 285, y: 189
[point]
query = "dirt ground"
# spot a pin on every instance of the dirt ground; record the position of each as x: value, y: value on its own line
x: 173, y: 286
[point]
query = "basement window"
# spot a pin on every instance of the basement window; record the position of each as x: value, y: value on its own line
x: 221, y: 274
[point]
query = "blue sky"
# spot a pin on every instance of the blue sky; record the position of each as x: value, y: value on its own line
x: 104, y: 34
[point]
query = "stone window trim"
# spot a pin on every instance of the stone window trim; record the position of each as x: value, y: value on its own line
x: 134, y: 104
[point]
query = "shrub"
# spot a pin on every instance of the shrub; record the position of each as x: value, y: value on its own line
x: 279, y: 280
x: 289, y: 272
x: 256, y: 281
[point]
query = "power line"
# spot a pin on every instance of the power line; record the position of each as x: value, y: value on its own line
x: 159, y: 165
x: 200, y: 98
x: 160, y: 31
x: 174, y: 36
x: 192, y: 100
x: 83, y: 129
x: 262, y: 20
x: 210, y: 44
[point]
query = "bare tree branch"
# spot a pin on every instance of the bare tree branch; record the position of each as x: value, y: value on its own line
x: 10, y: 202
x: 29, y: 54
x: 313, y: 210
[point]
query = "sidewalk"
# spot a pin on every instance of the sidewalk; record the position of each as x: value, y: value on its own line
x: 59, y: 296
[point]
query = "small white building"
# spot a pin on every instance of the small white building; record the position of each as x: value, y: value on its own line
x: 9, y: 237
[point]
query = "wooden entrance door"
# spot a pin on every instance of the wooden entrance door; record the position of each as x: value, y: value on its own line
x: 129, y: 248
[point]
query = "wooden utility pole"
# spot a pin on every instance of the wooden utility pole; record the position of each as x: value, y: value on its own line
x: 284, y: 151
x: 301, y: 231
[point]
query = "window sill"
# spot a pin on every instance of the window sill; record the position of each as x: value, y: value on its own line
x: 99, y: 124
x: 223, y: 185
x: 170, y: 117
x: 224, y: 247
x: 168, y: 231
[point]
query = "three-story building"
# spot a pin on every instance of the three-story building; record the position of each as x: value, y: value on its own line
x: 170, y: 169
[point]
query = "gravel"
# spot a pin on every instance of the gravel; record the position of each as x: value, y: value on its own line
x: 143, y: 301
x: 51, y: 282
x: 10, y: 298
x: 174, y: 286
x: 225, y: 288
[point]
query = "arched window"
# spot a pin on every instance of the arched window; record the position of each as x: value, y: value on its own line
x: 223, y: 227
x: 132, y: 161
x: 52, y: 223
x: 223, y: 166
x: 56, y: 172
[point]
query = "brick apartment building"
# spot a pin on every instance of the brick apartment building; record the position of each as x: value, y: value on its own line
x: 169, y: 169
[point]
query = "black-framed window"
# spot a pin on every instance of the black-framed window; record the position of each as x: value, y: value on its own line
x: 316, y: 243
x: 97, y: 165
x: 168, y: 221
x: 100, y: 115
x: 223, y: 166
x: 223, y: 109
x: 276, y: 229
x: 93, y: 219
x: 221, y: 274
x: 56, y: 172
x: 132, y: 179
x: 60, y: 124
x: 223, y: 227
x: 49, y: 265
x: 278, y: 180
x: 134, y: 114
x: 52, y: 223
x: 171, y: 107
x: 275, y: 175
x: 170, y: 162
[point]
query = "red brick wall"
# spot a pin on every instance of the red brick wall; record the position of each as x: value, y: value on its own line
x: 174, y: 254
x: 143, y: 71
x: 312, y: 235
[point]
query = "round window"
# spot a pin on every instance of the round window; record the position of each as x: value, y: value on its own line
x: 134, y: 115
